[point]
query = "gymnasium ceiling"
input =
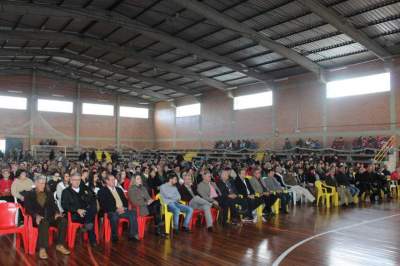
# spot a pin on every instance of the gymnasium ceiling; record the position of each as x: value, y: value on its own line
x: 154, y: 50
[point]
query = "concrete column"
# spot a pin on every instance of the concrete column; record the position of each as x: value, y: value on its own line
x: 32, y: 108
x: 393, y: 112
x: 77, y: 114
x: 324, y: 116
x: 117, y: 123
x: 273, y: 121
x: 233, y: 134
x: 152, y: 116
x: 174, y: 126
x: 200, y: 128
x: 392, y: 104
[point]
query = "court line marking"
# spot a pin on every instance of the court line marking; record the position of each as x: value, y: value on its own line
x: 287, y: 251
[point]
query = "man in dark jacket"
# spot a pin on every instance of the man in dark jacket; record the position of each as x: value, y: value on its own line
x: 40, y: 205
x: 81, y: 202
x: 115, y: 204
x: 343, y: 186
x: 268, y: 198
x: 246, y: 191
x: 229, y: 198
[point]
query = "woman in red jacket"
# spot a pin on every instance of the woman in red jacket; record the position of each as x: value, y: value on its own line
x: 5, y: 186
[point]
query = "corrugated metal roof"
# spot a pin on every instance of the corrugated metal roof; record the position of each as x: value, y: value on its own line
x: 287, y: 22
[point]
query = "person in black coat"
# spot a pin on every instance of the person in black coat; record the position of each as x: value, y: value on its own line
x: 40, y: 205
x: 154, y: 182
x: 246, y: 191
x: 113, y: 202
x: 81, y: 202
x: 229, y: 198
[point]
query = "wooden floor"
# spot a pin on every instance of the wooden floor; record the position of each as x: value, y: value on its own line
x: 365, y: 235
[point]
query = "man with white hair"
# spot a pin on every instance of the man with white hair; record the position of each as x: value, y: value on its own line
x: 40, y: 204
x: 81, y: 202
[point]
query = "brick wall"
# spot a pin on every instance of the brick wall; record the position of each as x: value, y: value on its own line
x: 300, y: 109
x: 94, y: 131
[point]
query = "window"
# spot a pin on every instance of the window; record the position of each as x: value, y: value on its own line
x: 252, y: 100
x: 3, y: 145
x: 55, y: 106
x: 97, y: 109
x: 188, y: 110
x: 135, y: 112
x: 10, y: 102
x: 358, y: 86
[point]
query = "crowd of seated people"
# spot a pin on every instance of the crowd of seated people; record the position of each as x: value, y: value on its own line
x: 236, y: 145
x: 301, y: 143
x: 338, y: 143
x: 236, y: 189
x: 373, y: 142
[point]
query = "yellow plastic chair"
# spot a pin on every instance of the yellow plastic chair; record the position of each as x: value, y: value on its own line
x: 323, y: 195
x: 335, y: 196
x: 276, y: 206
x: 168, y: 216
x: 259, y: 209
x: 363, y: 196
x: 355, y: 199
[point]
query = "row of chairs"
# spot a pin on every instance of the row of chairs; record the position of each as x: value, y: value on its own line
x: 28, y: 233
x: 326, y: 198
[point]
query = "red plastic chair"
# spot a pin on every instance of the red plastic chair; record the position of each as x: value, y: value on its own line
x: 8, y: 215
x: 107, y: 227
x: 142, y: 221
x: 73, y: 227
x: 197, y: 213
x: 33, y: 233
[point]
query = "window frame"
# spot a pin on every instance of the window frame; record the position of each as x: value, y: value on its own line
x: 9, y: 97
x: 187, y: 106
x: 133, y: 107
x: 334, y: 86
x: 269, y: 102
x: 53, y: 100
x: 91, y: 103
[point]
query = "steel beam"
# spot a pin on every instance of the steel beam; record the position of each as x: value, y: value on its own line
x: 127, y: 23
x: 341, y: 23
x: 247, y: 32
